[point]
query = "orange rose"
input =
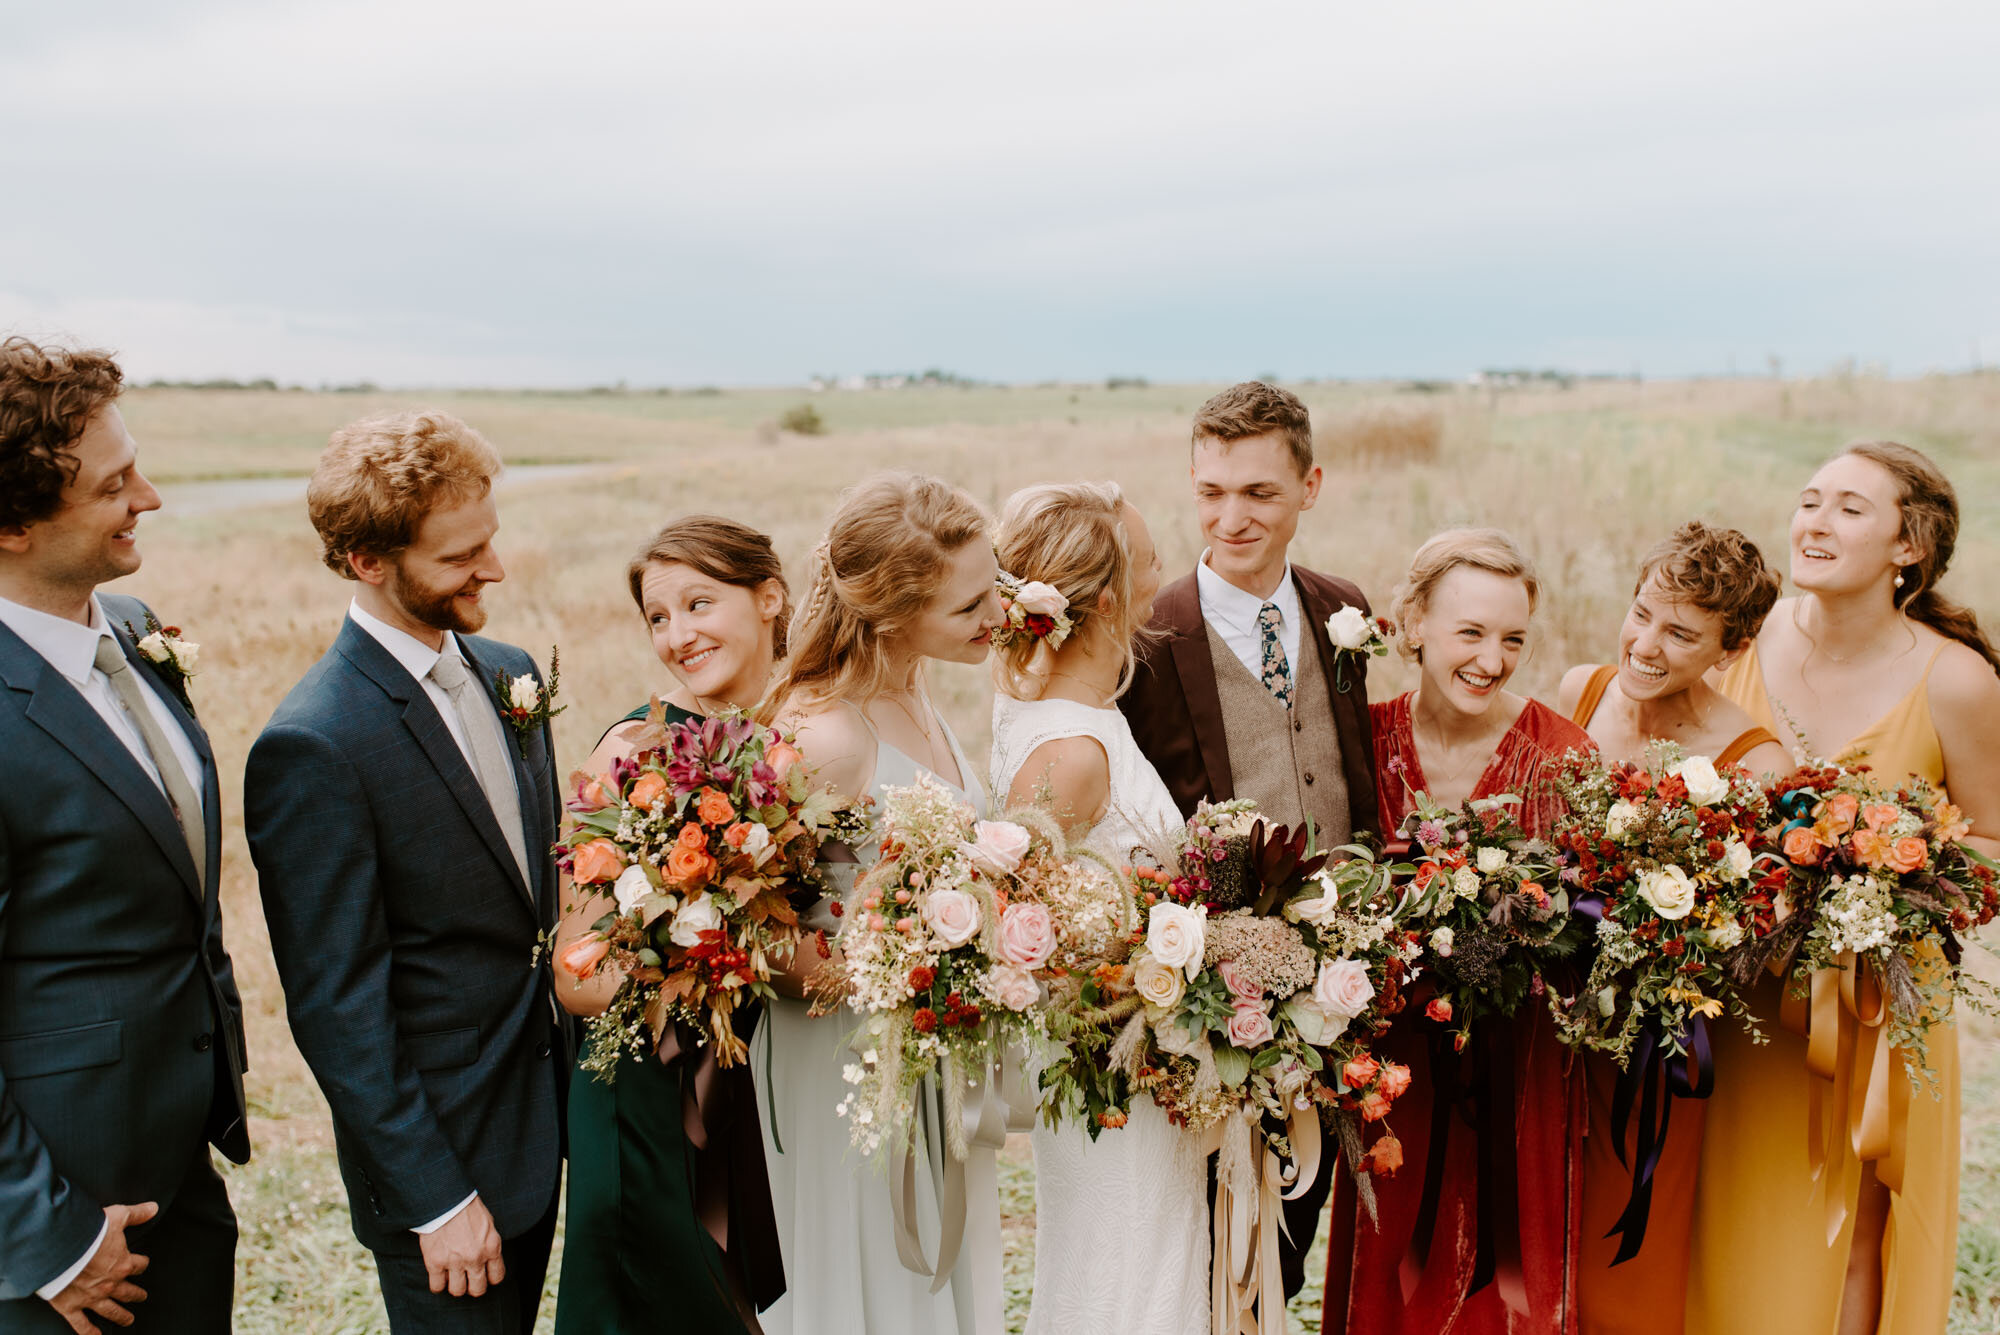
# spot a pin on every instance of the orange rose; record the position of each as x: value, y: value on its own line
x: 693, y: 838
x: 736, y: 834
x: 1374, y: 1106
x: 1839, y: 812
x: 598, y: 860
x: 646, y: 791
x: 1871, y: 849
x: 714, y: 808
x: 1908, y: 854
x: 582, y: 956
x: 1802, y: 847
x: 1878, y: 814
x: 781, y: 757
x: 689, y: 867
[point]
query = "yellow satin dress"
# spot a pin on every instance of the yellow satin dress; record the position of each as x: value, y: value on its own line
x: 1762, y: 1262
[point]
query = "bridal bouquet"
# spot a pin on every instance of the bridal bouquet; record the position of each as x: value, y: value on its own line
x: 1491, y: 904
x: 701, y: 837
x: 1251, y: 994
x: 1667, y: 857
x: 949, y: 940
x: 1879, y: 876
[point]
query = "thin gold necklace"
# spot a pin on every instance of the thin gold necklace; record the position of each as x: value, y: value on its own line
x: 923, y: 730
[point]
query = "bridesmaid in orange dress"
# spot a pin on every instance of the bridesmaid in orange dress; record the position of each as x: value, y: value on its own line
x: 1464, y: 614
x: 1700, y: 598
x: 1872, y: 665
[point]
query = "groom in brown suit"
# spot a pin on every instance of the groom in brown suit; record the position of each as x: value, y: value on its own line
x: 1241, y: 694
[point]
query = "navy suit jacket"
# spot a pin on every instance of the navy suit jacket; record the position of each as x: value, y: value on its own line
x: 404, y: 936
x: 121, y: 1032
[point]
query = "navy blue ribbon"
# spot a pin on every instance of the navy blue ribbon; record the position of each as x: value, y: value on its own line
x: 1654, y: 1077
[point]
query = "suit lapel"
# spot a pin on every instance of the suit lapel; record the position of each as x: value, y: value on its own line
x: 56, y: 707
x: 1350, y: 707
x: 211, y: 781
x: 488, y: 673
x: 434, y: 738
x: 1179, y: 609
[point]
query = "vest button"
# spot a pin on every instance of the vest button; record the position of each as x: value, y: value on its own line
x: 1309, y: 777
x: 1298, y: 725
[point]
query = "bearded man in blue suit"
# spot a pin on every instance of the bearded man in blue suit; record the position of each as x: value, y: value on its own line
x: 121, y: 1032
x: 401, y: 826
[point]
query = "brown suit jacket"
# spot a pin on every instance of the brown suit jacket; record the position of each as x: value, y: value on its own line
x: 1176, y: 712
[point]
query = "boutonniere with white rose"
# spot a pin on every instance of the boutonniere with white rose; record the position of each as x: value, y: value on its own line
x: 1355, y: 635
x: 164, y: 648
x: 526, y: 704
x: 1035, y: 611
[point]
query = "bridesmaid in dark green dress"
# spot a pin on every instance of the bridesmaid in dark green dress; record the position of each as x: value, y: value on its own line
x: 669, y: 1224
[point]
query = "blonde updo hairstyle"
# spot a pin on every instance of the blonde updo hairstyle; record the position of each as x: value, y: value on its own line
x: 881, y: 561
x: 1486, y: 549
x: 1071, y: 536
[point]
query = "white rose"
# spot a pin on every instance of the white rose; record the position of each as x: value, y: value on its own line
x: 1726, y: 935
x: 1040, y: 599
x: 524, y: 691
x: 1441, y: 941
x: 631, y: 889
x: 1343, y: 988
x: 952, y: 916
x: 1317, y: 910
x: 698, y: 915
x: 1736, y: 854
x: 1158, y: 985
x: 1705, y: 787
x: 188, y: 654
x: 154, y: 647
x: 1619, y: 819
x: 1013, y: 988
x: 1491, y: 860
x: 997, y: 846
x: 757, y: 844
x: 1669, y: 891
x: 1176, y: 936
x: 1465, y: 883
x: 1348, y: 628
x: 1314, y: 1025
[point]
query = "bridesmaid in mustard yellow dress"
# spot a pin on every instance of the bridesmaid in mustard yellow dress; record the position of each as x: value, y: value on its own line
x: 1869, y: 664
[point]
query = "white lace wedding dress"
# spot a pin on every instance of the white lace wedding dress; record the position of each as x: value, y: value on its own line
x: 1121, y: 1222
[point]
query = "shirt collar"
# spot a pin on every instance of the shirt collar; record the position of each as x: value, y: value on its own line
x: 69, y: 647
x: 1239, y: 607
x: 416, y: 657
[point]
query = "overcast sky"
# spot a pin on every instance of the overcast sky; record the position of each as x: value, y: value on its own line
x: 491, y: 192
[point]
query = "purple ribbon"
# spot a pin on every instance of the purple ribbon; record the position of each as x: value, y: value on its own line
x: 1654, y: 1078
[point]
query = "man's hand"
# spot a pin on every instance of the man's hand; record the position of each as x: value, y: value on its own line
x: 464, y: 1254
x: 106, y: 1282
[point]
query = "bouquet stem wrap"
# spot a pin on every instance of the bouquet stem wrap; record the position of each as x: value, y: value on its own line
x: 965, y: 1118
x: 1654, y: 1077
x: 1247, y: 1293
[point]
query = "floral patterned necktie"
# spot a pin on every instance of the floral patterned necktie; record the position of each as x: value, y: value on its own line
x: 1277, y: 674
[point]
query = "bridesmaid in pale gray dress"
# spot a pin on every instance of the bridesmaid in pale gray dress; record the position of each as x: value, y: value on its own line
x: 905, y: 573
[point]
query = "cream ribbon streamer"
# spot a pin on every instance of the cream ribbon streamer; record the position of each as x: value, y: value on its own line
x: 1246, y: 1287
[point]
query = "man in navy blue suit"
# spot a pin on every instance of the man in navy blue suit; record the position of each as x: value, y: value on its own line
x: 121, y: 1032
x: 401, y: 827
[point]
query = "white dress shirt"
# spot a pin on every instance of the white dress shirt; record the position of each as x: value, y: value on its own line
x: 1233, y: 613
x: 70, y: 647
x: 418, y: 659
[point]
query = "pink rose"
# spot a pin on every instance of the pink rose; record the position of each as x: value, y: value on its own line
x: 1027, y: 935
x: 1250, y: 1026
x: 952, y: 916
x: 1439, y: 1010
x: 1232, y: 978
x: 1395, y: 1079
x: 1343, y: 988
x: 997, y: 846
x: 1011, y: 987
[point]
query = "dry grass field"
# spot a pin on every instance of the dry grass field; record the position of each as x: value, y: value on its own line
x: 1586, y: 478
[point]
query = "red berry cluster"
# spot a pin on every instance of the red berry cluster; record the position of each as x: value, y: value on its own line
x: 718, y: 957
x: 956, y: 1012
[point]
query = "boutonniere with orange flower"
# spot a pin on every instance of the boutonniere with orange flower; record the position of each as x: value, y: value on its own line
x: 165, y: 648
x: 526, y: 704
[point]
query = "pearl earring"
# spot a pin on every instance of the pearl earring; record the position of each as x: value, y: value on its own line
x: 1899, y: 579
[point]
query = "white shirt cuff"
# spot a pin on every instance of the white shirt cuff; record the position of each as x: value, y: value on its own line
x: 445, y: 1218
x: 48, y: 1291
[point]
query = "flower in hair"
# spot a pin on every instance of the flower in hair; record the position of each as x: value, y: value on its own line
x: 1035, y: 611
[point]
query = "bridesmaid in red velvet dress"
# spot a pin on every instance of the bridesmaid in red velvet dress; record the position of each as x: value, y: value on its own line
x: 1464, y: 614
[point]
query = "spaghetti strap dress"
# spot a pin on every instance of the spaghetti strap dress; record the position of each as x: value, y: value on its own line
x: 1771, y: 1243
x: 1646, y: 1295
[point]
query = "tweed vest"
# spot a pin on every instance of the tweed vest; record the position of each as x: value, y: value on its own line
x: 1286, y: 761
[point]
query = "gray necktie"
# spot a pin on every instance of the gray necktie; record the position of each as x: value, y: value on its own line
x: 476, y: 717
x: 111, y: 661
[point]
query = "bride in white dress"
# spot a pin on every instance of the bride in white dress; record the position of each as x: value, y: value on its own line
x: 1121, y: 1222
x: 906, y: 573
